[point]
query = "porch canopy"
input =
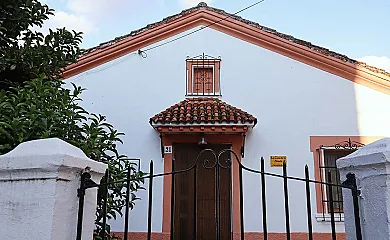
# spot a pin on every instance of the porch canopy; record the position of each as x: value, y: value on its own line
x: 203, y: 115
x: 201, y: 121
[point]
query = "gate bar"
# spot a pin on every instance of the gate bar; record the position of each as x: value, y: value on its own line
x: 352, y: 180
x: 286, y: 208
x: 308, y: 204
x: 231, y: 196
x: 217, y: 203
x: 150, y: 200
x: 127, y: 202
x: 241, y: 203
x: 81, y: 194
x: 339, y: 203
x: 172, y: 200
x: 105, y: 196
x: 263, y: 197
x: 332, y: 222
x: 194, y: 234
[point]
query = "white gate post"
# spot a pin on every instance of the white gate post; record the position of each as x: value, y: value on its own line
x: 371, y: 166
x: 38, y: 191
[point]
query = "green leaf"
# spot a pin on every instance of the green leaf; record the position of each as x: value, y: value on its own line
x: 34, y: 103
x: 4, y: 124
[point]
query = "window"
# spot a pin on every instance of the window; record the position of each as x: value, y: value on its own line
x: 330, y: 156
x: 203, y: 76
x: 326, y: 151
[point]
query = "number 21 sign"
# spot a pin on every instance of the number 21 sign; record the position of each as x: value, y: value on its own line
x: 167, y: 149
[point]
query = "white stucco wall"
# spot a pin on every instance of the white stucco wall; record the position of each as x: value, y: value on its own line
x: 290, y: 99
x: 370, y: 165
x: 38, y: 184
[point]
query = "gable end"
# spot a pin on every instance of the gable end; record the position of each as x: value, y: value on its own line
x: 333, y: 63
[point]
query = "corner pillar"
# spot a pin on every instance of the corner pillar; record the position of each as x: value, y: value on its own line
x: 370, y: 165
x: 38, y: 191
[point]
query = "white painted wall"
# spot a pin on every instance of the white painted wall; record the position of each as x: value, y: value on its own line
x: 38, y: 184
x: 290, y: 99
x: 370, y: 165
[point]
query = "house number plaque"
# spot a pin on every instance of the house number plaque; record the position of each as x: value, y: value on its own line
x: 168, y: 149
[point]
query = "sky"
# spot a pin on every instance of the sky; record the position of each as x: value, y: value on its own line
x: 359, y: 29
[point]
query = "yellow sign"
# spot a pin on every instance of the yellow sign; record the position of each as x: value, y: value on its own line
x: 277, y: 161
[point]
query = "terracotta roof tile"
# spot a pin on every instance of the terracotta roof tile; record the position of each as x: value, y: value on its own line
x: 203, y: 5
x: 203, y: 110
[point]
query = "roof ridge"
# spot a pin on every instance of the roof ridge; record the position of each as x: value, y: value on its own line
x: 203, y: 5
x: 145, y: 28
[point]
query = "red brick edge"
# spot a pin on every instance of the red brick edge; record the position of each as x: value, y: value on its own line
x: 236, y: 236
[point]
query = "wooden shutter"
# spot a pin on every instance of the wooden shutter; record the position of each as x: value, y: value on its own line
x: 203, y: 81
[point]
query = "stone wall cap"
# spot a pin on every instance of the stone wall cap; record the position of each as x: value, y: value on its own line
x: 45, y: 147
x: 49, y: 154
x: 360, y: 157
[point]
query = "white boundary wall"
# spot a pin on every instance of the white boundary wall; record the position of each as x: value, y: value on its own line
x: 38, y: 191
x: 371, y: 166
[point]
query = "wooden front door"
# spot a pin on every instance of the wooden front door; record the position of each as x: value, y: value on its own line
x: 195, y: 214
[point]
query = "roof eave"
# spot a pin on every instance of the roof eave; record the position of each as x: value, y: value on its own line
x: 270, y: 39
x: 227, y: 124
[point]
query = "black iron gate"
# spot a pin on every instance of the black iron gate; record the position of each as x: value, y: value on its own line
x: 217, y: 164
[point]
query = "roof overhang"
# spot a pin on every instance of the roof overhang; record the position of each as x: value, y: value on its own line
x: 251, y: 32
x: 203, y: 115
x: 203, y: 128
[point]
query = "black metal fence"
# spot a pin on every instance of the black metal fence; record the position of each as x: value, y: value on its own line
x: 217, y: 164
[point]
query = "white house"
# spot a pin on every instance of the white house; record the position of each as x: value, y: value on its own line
x: 207, y: 75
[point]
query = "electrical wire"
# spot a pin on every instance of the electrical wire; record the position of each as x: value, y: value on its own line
x: 109, y: 65
x: 203, y: 27
x: 143, y: 54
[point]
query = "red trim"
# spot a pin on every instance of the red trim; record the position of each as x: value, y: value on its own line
x: 316, y: 142
x: 236, y: 236
x: 203, y: 129
x: 215, y: 63
x: 242, y: 31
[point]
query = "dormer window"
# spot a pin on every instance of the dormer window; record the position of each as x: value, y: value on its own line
x: 203, y: 76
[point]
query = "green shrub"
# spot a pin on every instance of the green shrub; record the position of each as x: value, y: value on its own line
x: 45, y: 109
